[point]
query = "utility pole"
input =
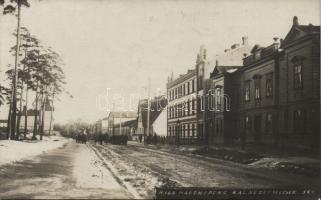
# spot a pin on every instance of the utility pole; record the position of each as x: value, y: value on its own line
x: 15, y: 79
x: 148, y: 109
x: 120, y: 125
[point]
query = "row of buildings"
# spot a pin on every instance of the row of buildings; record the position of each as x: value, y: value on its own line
x: 251, y: 94
x: 135, y: 123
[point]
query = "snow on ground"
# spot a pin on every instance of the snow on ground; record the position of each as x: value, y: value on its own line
x: 12, y: 150
x: 91, y: 172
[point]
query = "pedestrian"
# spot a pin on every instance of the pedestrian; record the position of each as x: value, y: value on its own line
x: 140, y: 138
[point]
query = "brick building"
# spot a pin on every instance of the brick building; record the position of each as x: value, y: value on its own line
x: 281, y: 91
x: 185, y: 102
x: 221, y: 92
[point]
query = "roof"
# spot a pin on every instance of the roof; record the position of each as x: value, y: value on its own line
x: 233, y: 57
x: 122, y: 114
x: 265, y: 52
x: 230, y: 60
x: 223, y: 70
x: 130, y: 123
x: 182, y: 77
x: 298, y: 31
x: 157, y: 105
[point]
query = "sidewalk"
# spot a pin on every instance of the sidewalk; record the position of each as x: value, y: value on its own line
x: 262, y: 158
x: 16, y: 150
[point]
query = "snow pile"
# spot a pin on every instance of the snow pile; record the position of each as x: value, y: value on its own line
x: 12, y: 150
x: 91, y: 172
x: 300, y: 165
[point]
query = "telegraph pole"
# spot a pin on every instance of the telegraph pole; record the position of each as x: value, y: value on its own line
x: 148, y: 109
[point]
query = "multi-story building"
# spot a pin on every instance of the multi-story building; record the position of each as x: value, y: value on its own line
x: 221, y: 94
x: 184, y: 113
x: 280, y: 104
x: 157, y: 117
x: 258, y: 106
x: 260, y: 95
x: 299, y: 91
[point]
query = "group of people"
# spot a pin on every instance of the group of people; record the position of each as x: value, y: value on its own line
x: 152, y: 139
x: 119, y: 139
x: 81, y: 138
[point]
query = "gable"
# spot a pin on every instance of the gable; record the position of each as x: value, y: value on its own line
x: 294, y: 34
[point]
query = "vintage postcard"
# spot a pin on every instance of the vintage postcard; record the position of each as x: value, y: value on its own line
x: 162, y: 99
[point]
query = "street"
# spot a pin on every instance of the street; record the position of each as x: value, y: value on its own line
x: 71, y: 171
x: 129, y: 171
x: 146, y: 168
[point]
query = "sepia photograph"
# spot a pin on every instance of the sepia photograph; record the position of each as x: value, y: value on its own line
x: 160, y: 99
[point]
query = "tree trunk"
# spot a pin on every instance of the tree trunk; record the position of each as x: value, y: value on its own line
x: 9, y: 123
x: 26, y: 114
x: 20, y: 112
x: 42, y: 120
x: 14, y: 102
x: 35, y: 130
x: 51, y: 112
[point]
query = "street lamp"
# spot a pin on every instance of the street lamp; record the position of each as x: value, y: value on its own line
x: 178, y: 131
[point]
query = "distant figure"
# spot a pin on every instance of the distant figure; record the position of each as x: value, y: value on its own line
x: 155, y: 139
x: 140, y: 138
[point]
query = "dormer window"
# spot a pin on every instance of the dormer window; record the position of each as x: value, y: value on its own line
x: 257, y: 55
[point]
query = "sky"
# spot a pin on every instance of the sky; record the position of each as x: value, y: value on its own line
x: 113, y: 49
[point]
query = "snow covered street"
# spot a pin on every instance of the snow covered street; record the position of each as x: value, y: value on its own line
x: 145, y: 168
x: 62, y: 168
x: 70, y: 170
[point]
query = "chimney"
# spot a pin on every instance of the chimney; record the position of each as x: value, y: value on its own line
x: 276, y: 42
x: 234, y: 46
x: 245, y: 40
x: 295, y: 21
x: 276, y: 39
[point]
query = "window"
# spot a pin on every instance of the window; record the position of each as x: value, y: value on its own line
x: 186, y: 108
x: 269, y: 85
x: 218, y: 98
x: 299, y: 121
x: 298, y: 83
x: 248, y: 123
x: 193, y: 130
x: 193, y: 85
x: 247, y: 90
x: 257, y: 55
x: 184, y: 90
x: 188, y: 87
x: 268, y: 123
x: 257, y: 89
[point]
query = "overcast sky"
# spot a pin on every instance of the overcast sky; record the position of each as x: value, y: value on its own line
x: 120, y: 44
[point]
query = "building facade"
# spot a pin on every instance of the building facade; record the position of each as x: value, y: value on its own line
x: 119, y: 118
x: 280, y: 104
x: 157, y: 114
x: 221, y: 94
x: 185, y: 104
x: 254, y: 95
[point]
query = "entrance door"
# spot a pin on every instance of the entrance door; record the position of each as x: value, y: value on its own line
x: 257, y: 127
